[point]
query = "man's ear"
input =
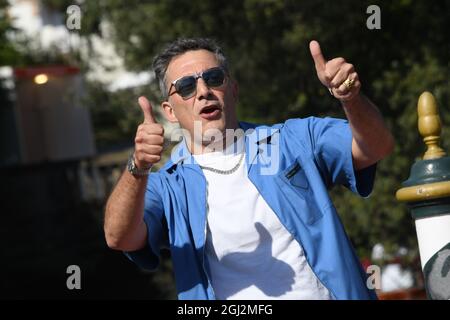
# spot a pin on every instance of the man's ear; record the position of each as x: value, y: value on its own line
x: 169, y: 114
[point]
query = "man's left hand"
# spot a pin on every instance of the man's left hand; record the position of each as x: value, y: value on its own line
x: 337, y: 75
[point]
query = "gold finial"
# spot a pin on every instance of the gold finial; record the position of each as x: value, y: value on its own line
x: 430, y: 126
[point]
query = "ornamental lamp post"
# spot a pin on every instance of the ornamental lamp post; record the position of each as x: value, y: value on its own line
x: 427, y: 194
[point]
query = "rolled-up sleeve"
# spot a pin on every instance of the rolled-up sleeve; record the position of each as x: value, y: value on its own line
x: 148, y: 257
x: 331, y: 141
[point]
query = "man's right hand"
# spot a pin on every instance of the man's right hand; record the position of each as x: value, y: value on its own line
x: 149, y: 139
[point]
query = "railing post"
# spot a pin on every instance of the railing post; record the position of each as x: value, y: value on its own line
x: 427, y: 194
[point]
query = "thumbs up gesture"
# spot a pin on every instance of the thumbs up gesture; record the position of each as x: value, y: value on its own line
x: 337, y: 75
x: 149, y: 138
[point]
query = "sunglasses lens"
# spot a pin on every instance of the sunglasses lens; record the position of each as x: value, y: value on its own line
x: 214, y: 77
x: 186, y: 86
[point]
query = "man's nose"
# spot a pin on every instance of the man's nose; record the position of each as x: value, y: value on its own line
x: 203, y: 91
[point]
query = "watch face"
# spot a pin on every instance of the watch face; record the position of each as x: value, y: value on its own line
x: 131, y: 165
x: 133, y: 169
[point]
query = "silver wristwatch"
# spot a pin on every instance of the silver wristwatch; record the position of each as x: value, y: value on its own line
x: 134, y: 170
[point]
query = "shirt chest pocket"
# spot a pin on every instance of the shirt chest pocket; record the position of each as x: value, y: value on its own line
x: 295, y: 175
x: 295, y: 179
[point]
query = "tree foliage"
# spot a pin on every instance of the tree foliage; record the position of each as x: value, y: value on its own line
x: 8, y: 54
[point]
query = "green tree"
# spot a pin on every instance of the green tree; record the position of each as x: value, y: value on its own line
x: 8, y: 54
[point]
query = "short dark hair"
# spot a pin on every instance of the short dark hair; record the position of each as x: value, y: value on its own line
x: 180, y: 46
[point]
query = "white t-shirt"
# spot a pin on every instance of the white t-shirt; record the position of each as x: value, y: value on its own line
x: 250, y: 254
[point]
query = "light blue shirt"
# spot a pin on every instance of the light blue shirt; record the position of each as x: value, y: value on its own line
x: 292, y: 164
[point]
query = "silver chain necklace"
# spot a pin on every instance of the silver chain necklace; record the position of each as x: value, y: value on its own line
x: 230, y: 171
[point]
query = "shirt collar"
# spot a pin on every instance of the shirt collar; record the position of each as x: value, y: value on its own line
x: 253, y: 134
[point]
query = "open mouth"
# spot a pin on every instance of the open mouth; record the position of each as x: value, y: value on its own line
x: 209, y: 109
x: 212, y: 112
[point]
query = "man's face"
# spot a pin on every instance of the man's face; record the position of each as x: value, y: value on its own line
x: 214, y: 108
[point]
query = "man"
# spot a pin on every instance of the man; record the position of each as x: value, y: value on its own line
x: 251, y: 218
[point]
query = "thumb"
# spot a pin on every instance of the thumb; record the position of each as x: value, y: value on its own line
x: 146, y: 109
x: 317, y: 55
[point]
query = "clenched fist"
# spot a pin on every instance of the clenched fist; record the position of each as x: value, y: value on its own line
x: 149, y: 138
x: 337, y: 75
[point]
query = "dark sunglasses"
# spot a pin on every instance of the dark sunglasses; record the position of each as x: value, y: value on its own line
x: 186, y: 86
